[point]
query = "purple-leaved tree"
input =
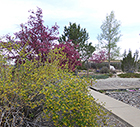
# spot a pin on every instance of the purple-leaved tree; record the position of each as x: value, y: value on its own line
x: 37, y: 38
x: 73, y: 56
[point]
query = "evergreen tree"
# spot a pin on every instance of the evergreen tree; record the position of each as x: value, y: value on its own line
x: 78, y: 36
x: 128, y: 64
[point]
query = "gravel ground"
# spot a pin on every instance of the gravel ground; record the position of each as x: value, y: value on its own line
x: 113, y: 121
x: 117, y: 83
x: 131, y: 98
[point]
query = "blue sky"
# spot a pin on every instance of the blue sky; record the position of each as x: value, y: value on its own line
x: 88, y: 13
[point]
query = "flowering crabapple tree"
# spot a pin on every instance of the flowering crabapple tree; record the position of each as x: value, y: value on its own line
x: 98, y: 57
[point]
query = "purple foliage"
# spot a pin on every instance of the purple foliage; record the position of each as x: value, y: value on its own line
x: 37, y: 39
x: 40, y: 39
x: 73, y: 56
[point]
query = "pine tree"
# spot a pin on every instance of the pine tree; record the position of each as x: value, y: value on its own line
x: 78, y: 36
x: 128, y: 64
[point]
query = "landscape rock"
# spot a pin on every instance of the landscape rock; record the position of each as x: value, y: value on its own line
x: 112, y: 68
x: 131, y: 98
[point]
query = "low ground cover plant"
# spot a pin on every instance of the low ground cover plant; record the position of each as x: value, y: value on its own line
x: 102, y: 76
x: 129, y: 75
x: 46, y: 94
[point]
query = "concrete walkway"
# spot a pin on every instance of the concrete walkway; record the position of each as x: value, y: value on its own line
x: 128, y: 114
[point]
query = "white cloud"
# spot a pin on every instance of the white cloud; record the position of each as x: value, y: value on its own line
x: 126, y: 11
x: 13, y: 13
x: 88, y: 13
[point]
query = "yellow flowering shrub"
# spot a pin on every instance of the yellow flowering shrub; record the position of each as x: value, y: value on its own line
x: 42, y: 94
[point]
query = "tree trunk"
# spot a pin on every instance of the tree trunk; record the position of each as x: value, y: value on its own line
x: 109, y: 63
x: 87, y: 70
x: 109, y: 56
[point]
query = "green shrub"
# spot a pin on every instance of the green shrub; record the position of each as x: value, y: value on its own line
x: 100, y: 76
x: 110, y: 74
x: 102, y: 91
x: 129, y: 75
x: 104, y: 70
x: 97, y: 76
x: 90, y: 70
x: 129, y: 62
x: 35, y: 95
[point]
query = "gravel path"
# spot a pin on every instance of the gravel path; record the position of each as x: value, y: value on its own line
x: 117, y: 83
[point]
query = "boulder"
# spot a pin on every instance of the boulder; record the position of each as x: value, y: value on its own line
x: 112, y: 68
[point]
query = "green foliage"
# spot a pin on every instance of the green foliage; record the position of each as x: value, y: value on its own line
x: 37, y: 93
x: 74, y: 33
x: 103, y: 76
x: 110, y: 74
x: 79, y: 37
x: 128, y: 64
x: 104, y: 70
x: 129, y: 75
x: 90, y: 70
x: 110, y: 36
x: 102, y: 91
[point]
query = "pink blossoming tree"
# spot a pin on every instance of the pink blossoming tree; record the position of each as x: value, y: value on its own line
x: 99, y: 57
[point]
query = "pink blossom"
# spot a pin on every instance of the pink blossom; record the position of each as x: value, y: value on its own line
x: 98, y: 57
